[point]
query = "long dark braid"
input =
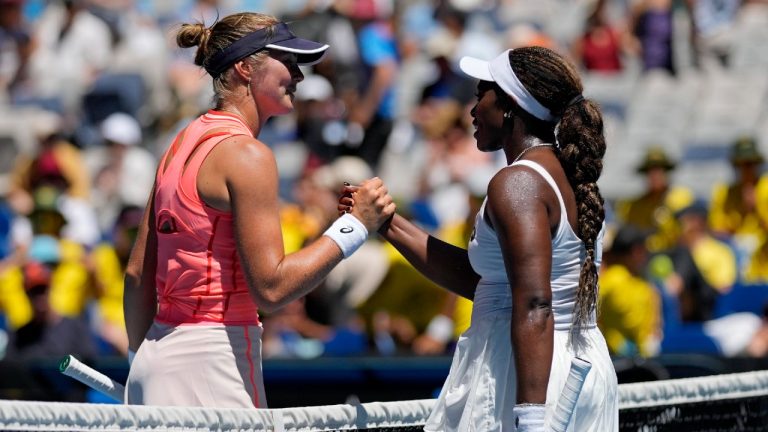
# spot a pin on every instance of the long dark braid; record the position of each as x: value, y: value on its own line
x: 554, y: 82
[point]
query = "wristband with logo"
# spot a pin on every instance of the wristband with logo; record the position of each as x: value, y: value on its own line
x: 348, y: 232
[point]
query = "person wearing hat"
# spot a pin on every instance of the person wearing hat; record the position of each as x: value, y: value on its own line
x: 209, y: 255
x: 56, y: 162
x: 654, y: 209
x: 122, y: 169
x: 741, y: 207
x: 532, y: 263
x: 630, y: 307
x: 739, y: 210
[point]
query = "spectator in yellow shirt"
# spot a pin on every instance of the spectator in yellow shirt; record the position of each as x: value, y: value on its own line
x: 714, y: 258
x: 756, y: 271
x: 740, y: 209
x: 107, y: 264
x: 630, y: 307
x: 655, y: 208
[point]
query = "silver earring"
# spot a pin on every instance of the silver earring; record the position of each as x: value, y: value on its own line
x: 248, y: 88
x: 508, y: 114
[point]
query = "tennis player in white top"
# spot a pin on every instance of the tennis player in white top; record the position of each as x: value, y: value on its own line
x: 532, y: 264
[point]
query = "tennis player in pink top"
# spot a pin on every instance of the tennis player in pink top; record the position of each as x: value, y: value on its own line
x: 210, y: 254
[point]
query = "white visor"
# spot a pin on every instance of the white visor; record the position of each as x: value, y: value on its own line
x: 500, y: 71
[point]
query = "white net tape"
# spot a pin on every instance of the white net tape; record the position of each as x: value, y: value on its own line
x: 54, y: 416
x: 47, y: 416
x: 689, y: 390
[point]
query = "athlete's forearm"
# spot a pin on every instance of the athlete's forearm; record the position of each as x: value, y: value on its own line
x: 139, y: 307
x: 139, y: 293
x: 533, y: 340
x: 295, y: 275
x: 443, y: 263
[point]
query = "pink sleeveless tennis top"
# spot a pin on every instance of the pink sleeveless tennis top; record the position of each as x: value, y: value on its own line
x: 199, y: 277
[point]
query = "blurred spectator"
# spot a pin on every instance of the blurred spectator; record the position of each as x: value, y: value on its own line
x: 685, y: 284
x: 107, y: 264
x: 190, y: 85
x: 356, y: 278
x: 122, y: 169
x: 326, y: 320
x: 15, y: 46
x: 477, y: 41
x: 319, y: 117
x: 58, y: 165
x: 57, y: 161
x: 70, y: 289
x: 293, y: 333
x: 14, y: 305
x: 653, y: 26
x: 78, y: 44
x: 700, y: 270
x: 372, y: 114
x: 714, y: 258
x: 455, y: 316
x: 402, y: 307
x: 48, y: 334
x: 712, y: 31
x: 138, y: 46
x: 15, y: 232
x: 630, y: 307
x: 446, y: 83
x: 601, y: 46
x: 740, y: 209
x: 452, y: 157
x: 756, y: 269
x: 524, y: 34
x: 655, y: 208
x: 330, y: 22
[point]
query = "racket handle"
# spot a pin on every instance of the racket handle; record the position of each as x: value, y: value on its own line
x: 570, y: 394
x: 72, y: 367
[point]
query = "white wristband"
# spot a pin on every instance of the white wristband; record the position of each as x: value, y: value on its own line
x: 529, y: 417
x: 131, y: 355
x: 348, y: 232
x: 440, y: 328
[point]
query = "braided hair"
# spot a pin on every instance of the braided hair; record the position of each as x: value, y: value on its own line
x: 555, y: 83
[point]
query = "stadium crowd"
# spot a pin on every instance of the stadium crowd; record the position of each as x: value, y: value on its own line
x: 92, y: 92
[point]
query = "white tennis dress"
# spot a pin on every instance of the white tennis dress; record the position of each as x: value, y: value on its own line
x: 480, y: 390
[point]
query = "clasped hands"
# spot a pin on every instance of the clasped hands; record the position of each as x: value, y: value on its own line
x: 369, y: 202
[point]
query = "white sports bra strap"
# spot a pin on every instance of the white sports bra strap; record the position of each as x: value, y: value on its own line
x: 548, y: 177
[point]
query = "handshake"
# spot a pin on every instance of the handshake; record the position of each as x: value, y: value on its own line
x: 369, y: 202
x: 363, y: 208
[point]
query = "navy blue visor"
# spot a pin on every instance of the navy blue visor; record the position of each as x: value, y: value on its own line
x: 282, y: 39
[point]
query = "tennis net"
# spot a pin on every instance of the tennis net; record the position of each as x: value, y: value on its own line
x: 732, y: 402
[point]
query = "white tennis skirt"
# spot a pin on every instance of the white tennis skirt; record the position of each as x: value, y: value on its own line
x: 480, y: 390
x: 198, y: 365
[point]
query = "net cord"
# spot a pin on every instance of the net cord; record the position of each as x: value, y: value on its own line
x: 64, y: 416
x: 59, y: 416
x: 690, y: 390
